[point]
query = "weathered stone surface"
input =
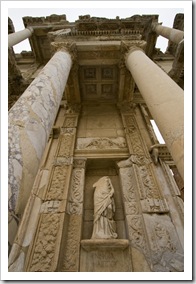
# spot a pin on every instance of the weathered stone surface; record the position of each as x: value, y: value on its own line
x: 102, y: 129
x: 105, y: 256
x: 35, y: 112
x: 45, y: 250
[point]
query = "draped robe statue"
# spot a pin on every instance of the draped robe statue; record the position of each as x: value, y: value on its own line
x: 104, y: 226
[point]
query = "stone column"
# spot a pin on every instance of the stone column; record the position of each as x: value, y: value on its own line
x: 164, y: 99
x: 172, y: 34
x: 30, y: 123
x: 19, y: 36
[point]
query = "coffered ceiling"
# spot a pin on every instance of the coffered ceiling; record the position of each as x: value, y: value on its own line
x: 98, y: 82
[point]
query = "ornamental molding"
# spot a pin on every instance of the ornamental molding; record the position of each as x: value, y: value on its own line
x: 68, y: 46
x: 129, y: 46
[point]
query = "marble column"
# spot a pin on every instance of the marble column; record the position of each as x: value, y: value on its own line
x: 19, y: 36
x: 173, y: 35
x: 164, y: 99
x: 30, y: 123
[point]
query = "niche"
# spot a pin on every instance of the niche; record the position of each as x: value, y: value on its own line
x: 95, y: 169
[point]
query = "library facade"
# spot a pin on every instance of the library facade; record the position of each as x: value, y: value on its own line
x: 91, y: 188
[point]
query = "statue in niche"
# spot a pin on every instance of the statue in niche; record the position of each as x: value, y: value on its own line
x: 104, y: 226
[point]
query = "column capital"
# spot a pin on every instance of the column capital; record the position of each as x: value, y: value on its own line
x: 128, y: 47
x: 69, y: 46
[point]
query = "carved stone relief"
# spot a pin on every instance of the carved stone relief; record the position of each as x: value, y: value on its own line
x: 44, y: 254
x: 139, y: 174
x: 100, y: 143
x: 57, y: 188
x: 75, y: 203
x: 71, y: 255
x: 70, y: 121
x: 167, y: 253
x: 66, y: 142
x: 133, y: 136
x: 129, y: 188
x: 137, y: 236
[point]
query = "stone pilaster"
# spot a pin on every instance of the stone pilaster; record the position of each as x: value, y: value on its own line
x: 173, y: 35
x: 19, y: 36
x: 73, y: 226
x: 164, y: 99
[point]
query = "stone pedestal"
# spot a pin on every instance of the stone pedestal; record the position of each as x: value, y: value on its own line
x: 109, y: 255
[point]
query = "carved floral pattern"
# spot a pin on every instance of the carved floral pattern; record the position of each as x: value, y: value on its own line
x: 128, y: 186
x: 136, y: 233
x: 66, y: 142
x: 57, y: 185
x: 45, y: 244
x: 76, y: 195
x: 71, y: 257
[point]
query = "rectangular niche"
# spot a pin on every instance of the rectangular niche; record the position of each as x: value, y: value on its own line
x: 95, y: 169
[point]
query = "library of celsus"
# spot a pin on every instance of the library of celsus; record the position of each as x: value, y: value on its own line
x: 91, y: 188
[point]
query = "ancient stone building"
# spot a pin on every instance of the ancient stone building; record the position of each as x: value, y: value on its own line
x: 90, y: 186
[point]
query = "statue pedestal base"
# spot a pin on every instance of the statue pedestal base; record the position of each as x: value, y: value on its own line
x: 105, y: 255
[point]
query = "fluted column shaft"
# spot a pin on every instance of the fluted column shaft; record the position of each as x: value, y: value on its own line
x: 173, y: 35
x: 19, y: 36
x: 30, y: 123
x: 164, y: 99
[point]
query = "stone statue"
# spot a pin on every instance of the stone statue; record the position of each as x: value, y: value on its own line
x: 104, y: 208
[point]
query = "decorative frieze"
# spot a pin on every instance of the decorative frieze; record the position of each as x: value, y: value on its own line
x: 100, y: 143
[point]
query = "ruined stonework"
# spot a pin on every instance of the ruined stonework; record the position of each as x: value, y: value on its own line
x: 91, y: 189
